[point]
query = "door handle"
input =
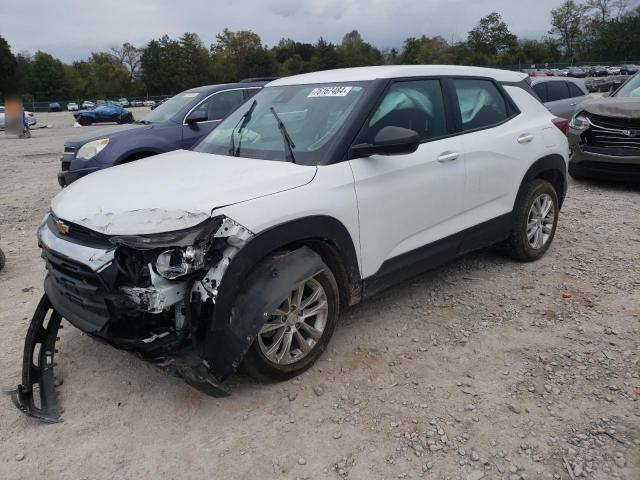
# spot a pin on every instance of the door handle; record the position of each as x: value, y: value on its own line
x: 525, y: 138
x: 448, y: 157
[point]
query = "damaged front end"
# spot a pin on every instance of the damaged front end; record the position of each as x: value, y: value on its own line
x: 151, y: 294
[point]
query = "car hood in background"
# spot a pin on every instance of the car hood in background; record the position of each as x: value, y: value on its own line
x: 111, y: 132
x: 172, y: 191
x: 619, y: 107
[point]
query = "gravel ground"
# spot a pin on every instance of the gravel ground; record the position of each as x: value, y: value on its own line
x: 479, y: 369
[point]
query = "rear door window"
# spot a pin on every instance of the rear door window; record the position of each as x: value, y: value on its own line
x: 480, y: 103
x: 557, y: 91
x: 574, y: 90
x: 541, y: 91
x: 417, y: 105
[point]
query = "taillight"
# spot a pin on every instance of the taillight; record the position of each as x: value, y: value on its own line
x: 562, y: 124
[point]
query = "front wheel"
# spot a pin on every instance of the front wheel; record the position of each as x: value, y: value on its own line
x: 534, y: 226
x: 297, y: 332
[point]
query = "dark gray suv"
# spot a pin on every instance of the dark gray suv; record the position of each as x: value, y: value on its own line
x: 176, y: 124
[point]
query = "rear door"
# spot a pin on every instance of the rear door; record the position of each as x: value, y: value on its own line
x: 498, y: 140
x: 561, y: 98
x: 408, y: 201
x: 217, y: 106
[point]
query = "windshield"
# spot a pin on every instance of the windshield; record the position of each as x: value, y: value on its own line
x: 631, y: 88
x: 311, y: 116
x: 168, y: 109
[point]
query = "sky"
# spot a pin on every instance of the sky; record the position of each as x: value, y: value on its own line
x: 72, y: 29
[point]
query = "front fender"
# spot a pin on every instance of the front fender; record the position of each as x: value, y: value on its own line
x: 263, y: 291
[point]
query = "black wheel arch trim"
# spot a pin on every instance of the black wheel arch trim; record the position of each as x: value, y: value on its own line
x: 550, y: 167
x: 325, y: 235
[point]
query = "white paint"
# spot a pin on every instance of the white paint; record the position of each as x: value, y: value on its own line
x: 171, y: 191
x: 393, y: 71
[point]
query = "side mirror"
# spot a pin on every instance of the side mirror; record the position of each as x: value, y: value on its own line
x: 197, y: 116
x: 389, y: 141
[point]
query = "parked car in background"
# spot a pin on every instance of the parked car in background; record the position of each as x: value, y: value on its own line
x: 613, y: 70
x: 594, y: 84
x: 604, y: 136
x: 108, y: 112
x: 88, y: 104
x: 137, y: 103
x: 30, y: 117
x: 576, y: 72
x: 180, y: 122
x: 560, y: 95
x: 158, y: 103
x: 124, y: 102
x: 320, y: 191
x: 149, y: 103
x: 72, y: 106
x: 54, y: 107
x: 598, y: 71
x: 629, y: 69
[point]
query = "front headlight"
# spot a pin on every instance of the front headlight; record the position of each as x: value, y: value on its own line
x: 178, y: 262
x: 579, y: 122
x: 91, y: 149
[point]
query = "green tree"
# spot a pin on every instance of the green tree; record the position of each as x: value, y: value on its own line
x: 355, y: 52
x: 324, y: 56
x: 8, y: 65
x: 567, y: 21
x: 425, y: 50
x: 491, y: 36
x: 619, y: 39
x: 130, y: 58
x: 237, y: 55
x: 46, y: 77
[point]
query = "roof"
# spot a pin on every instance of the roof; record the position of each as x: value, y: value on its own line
x: 225, y: 86
x: 397, y: 71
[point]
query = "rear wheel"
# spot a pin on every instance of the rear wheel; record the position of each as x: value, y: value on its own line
x: 3, y: 260
x: 536, y: 218
x: 297, y: 332
x: 84, y: 121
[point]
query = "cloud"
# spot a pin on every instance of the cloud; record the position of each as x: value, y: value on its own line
x: 72, y: 29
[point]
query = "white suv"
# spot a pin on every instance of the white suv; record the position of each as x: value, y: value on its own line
x: 319, y: 191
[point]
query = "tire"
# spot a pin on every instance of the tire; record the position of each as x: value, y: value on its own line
x: 521, y: 244
x: 575, y: 175
x: 3, y: 260
x: 262, y: 367
x: 85, y: 122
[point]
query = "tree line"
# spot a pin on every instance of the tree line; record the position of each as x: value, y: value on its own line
x: 592, y: 30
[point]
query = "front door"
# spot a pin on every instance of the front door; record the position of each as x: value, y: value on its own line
x: 216, y: 106
x: 406, y: 202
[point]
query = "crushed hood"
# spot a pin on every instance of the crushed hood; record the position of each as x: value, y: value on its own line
x: 172, y: 191
x: 619, y: 107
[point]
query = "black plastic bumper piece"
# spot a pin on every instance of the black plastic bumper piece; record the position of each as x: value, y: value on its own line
x: 37, y: 375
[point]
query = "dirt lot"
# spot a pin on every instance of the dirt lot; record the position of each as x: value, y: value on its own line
x: 480, y: 369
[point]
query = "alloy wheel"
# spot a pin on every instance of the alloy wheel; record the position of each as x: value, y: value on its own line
x: 540, y: 221
x: 296, y: 326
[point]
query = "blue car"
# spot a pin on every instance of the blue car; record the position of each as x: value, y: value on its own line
x: 109, y: 112
x: 177, y: 123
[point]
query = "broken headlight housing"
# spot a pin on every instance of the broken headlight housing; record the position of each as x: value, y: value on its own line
x: 579, y: 122
x: 91, y: 149
x: 174, y: 254
x: 178, y: 262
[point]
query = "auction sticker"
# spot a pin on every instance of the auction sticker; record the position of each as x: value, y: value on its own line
x: 330, y: 92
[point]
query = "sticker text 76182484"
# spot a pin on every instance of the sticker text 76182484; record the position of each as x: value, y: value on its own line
x: 330, y: 92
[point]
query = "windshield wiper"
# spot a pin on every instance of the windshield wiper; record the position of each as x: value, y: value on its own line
x: 288, y: 143
x: 244, y: 119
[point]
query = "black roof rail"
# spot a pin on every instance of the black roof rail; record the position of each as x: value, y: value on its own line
x: 258, y: 79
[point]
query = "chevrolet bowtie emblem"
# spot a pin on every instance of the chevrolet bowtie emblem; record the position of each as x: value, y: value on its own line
x: 63, y: 228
